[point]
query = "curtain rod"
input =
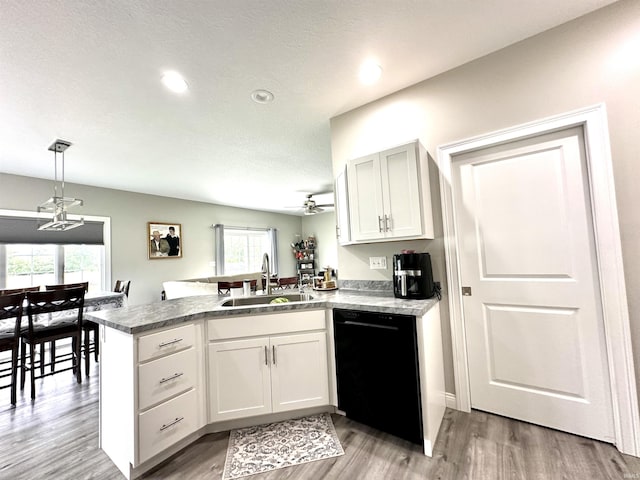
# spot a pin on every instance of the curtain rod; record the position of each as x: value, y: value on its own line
x: 242, y: 228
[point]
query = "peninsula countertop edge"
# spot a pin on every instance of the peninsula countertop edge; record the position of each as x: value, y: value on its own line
x: 152, y: 316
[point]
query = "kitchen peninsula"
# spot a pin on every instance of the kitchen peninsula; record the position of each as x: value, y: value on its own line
x: 175, y: 370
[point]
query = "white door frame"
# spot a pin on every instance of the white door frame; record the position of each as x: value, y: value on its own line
x: 608, y: 252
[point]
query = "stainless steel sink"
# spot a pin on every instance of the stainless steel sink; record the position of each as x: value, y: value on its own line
x: 266, y: 299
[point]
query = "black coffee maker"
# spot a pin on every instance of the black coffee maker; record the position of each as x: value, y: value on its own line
x: 412, y: 275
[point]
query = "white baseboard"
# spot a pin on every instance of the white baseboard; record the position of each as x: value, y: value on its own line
x: 450, y: 400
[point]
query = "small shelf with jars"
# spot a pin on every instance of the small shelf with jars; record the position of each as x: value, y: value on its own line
x: 304, y: 252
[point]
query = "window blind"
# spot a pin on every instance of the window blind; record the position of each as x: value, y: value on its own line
x: 25, y: 230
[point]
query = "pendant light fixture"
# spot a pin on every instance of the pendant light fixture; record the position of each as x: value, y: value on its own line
x: 59, y: 204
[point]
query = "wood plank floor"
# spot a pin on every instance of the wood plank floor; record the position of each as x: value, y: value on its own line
x: 56, y: 438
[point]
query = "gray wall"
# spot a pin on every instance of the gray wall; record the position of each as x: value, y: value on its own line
x: 130, y: 213
x: 323, y: 227
x: 590, y: 60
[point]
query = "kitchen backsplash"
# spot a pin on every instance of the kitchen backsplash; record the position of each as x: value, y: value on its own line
x: 376, y: 285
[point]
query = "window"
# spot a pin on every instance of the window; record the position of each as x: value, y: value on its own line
x: 32, y: 265
x: 83, y: 263
x: 29, y: 257
x: 240, y: 250
x: 243, y: 250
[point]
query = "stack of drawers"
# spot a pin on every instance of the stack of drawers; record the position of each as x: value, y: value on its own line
x: 167, y: 389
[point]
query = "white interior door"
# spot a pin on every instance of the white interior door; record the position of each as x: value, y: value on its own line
x: 533, y: 322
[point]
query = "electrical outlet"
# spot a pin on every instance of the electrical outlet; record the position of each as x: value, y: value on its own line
x: 378, y: 263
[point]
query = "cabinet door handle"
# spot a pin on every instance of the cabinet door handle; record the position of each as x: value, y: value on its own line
x: 273, y: 350
x: 172, y: 377
x: 380, y: 224
x: 171, y: 342
x: 177, y: 420
x: 387, y: 223
x: 266, y: 355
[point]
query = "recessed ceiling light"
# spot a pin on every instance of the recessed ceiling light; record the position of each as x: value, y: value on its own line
x: 262, y: 96
x: 174, y: 82
x: 370, y: 73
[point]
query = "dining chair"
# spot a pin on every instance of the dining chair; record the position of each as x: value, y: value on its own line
x: 10, y: 324
x: 287, y: 282
x: 88, y: 327
x: 11, y: 291
x: 224, y: 288
x: 122, y: 286
x: 63, y: 311
x: 6, y: 362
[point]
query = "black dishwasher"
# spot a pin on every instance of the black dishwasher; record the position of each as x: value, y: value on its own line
x: 377, y: 371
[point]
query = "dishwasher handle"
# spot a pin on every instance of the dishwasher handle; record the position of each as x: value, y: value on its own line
x: 369, y: 325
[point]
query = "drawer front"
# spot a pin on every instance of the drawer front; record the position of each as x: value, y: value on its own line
x: 165, y: 377
x: 164, y: 425
x: 271, y: 324
x: 168, y: 341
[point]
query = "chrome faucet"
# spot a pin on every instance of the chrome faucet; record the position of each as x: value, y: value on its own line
x: 267, y: 270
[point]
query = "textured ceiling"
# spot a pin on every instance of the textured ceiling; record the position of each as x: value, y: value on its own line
x: 88, y: 72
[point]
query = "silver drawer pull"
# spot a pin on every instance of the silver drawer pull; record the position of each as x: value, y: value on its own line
x: 273, y: 349
x: 166, y: 344
x: 164, y: 380
x: 177, y: 420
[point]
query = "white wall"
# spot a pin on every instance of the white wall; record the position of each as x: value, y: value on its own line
x: 323, y: 227
x: 590, y: 60
x: 130, y: 213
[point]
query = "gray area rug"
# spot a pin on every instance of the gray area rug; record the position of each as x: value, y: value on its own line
x: 277, y: 445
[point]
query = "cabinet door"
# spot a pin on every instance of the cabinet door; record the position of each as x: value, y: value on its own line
x: 343, y: 233
x: 401, y: 192
x: 299, y: 375
x: 365, y: 198
x: 239, y: 379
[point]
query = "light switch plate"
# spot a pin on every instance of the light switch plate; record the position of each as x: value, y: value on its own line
x: 378, y: 263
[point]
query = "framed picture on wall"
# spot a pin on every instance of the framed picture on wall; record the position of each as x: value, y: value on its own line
x: 164, y: 240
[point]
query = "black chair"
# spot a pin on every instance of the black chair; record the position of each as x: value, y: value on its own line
x: 67, y: 324
x: 6, y: 362
x: 89, y: 328
x: 224, y: 288
x: 10, y: 318
x: 122, y: 286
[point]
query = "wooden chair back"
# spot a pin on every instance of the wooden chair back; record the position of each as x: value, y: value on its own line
x: 65, y: 286
x: 11, y: 291
x: 55, y: 300
x: 122, y: 286
x: 224, y: 288
x: 10, y: 308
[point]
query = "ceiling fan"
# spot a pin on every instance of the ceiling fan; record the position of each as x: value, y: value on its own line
x: 310, y: 206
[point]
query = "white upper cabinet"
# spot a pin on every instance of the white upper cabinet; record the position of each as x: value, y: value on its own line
x: 386, y: 201
x: 343, y: 233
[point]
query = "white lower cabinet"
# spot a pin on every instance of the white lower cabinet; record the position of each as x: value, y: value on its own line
x: 239, y: 379
x: 299, y: 377
x: 153, y: 385
x: 270, y: 373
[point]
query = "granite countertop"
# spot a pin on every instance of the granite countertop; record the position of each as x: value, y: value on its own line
x: 142, y: 318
